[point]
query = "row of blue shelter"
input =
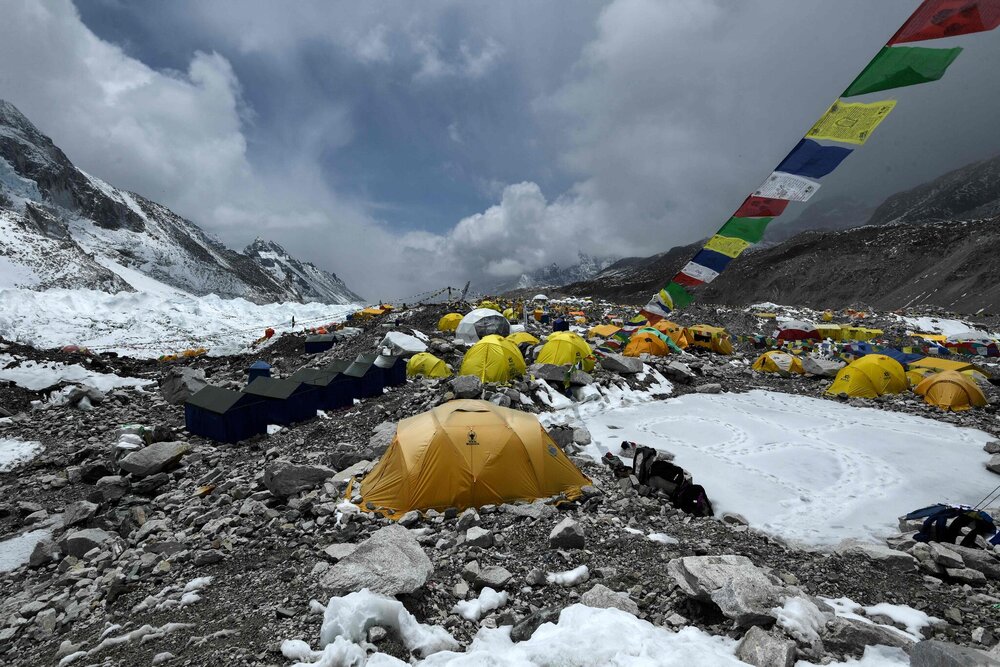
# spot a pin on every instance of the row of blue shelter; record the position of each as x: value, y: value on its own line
x: 226, y: 415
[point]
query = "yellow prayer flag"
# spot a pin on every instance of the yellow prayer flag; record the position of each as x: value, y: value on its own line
x: 727, y: 245
x: 851, y: 123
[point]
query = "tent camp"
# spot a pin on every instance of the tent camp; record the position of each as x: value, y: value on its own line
x: 449, y: 322
x: 468, y: 453
x: 286, y: 401
x: 603, y: 331
x: 677, y: 333
x: 645, y: 343
x: 711, y: 338
x: 224, y: 415
x: 402, y: 345
x: 317, y: 343
x: 796, y: 330
x: 258, y: 369
x: 428, y: 365
x: 479, y: 323
x: 778, y: 362
x: 951, y: 390
x: 915, y: 376
x: 868, y: 377
x: 493, y: 359
x: 369, y: 379
x: 540, y: 297
x: 393, y: 367
x: 567, y: 348
x: 520, y: 337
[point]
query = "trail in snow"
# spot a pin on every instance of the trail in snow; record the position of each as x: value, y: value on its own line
x: 808, y: 470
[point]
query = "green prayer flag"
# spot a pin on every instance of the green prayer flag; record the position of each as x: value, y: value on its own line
x: 681, y: 297
x: 899, y: 66
x: 748, y: 229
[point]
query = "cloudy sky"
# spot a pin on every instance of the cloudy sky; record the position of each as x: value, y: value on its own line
x: 411, y: 145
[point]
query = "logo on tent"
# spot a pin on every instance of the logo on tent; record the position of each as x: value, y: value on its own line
x: 472, y: 438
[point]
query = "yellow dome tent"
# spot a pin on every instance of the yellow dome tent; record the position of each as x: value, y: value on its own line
x: 493, y: 359
x: 425, y: 363
x: 645, y: 343
x: 567, y: 347
x: 489, y: 304
x: 711, y: 338
x: 939, y: 364
x: 779, y: 362
x: 677, y: 333
x: 870, y: 376
x: 917, y: 375
x: 519, y: 337
x: 827, y: 316
x: 469, y: 453
x: 509, y: 314
x: 449, y: 322
x: 951, y: 390
x: 603, y: 331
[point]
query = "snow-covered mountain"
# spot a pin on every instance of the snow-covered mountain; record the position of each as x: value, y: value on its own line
x: 62, y: 227
x: 552, y: 275
x: 312, y: 282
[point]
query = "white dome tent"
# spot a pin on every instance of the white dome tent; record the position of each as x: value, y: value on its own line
x: 481, y: 322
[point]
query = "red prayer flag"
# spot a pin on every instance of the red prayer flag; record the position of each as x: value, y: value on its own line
x: 761, y: 207
x: 935, y: 19
x: 686, y: 280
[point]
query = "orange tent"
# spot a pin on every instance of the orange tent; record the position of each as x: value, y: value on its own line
x: 647, y: 343
x: 677, y: 333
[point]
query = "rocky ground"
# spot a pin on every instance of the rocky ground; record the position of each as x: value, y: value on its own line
x: 191, y: 552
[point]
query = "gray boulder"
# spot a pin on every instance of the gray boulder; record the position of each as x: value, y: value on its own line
x: 478, y: 537
x: 678, y: 372
x: 850, y: 637
x: 382, y: 436
x: 568, y: 534
x: 180, y: 382
x: 155, y: 458
x: 495, y: 577
x: 550, y: 373
x: 617, y: 363
x: 934, y: 653
x: 389, y: 562
x: 710, y: 388
x: 467, y: 386
x: 993, y: 465
x: 112, y: 487
x: 284, y: 478
x: 979, y: 559
x: 82, y: 541
x: 762, y: 649
x: 602, y: 597
x: 741, y: 590
x: 42, y: 554
x: 897, y: 560
x: 944, y: 556
x: 78, y: 512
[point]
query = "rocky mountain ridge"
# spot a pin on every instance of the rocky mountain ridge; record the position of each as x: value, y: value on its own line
x: 933, y: 245
x: 62, y: 227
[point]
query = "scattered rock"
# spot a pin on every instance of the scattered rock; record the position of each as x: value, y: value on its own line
x: 467, y: 386
x: 82, y: 541
x: 78, y: 512
x: 602, y: 597
x: 284, y: 478
x: 762, y: 649
x: 180, y: 382
x: 155, y: 458
x: 568, y: 534
x: 934, y: 653
x: 993, y: 465
x: 389, y: 562
x: 617, y: 363
x: 739, y: 588
x: 897, y: 560
x: 478, y: 537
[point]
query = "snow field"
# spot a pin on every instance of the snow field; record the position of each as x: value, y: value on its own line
x: 150, y: 323
x: 807, y: 470
x: 35, y: 376
x: 14, y: 452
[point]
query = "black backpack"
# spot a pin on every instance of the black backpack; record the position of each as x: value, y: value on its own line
x: 692, y: 499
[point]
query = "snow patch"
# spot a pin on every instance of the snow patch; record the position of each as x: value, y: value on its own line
x: 473, y: 610
x: 35, y: 376
x: 14, y: 452
x: 572, y: 577
x: 807, y: 470
x: 913, y: 619
x: 15, y: 551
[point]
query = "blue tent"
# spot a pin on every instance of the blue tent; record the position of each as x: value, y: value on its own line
x: 224, y: 415
x: 369, y: 377
x: 258, y: 369
x: 902, y: 357
x: 559, y: 324
x: 319, y: 343
x: 286, y: 401
x: 333, y: 394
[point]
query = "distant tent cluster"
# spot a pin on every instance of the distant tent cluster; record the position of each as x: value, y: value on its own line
x: 226, y: 415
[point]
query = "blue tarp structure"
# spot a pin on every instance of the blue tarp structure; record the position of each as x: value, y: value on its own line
x: 258, y: 369
x: 286, y: 401
x: 902, y: 357
x: 319, y: 343
x: 333, y: 395
x: 813, y: 160
x: 224, y: 415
